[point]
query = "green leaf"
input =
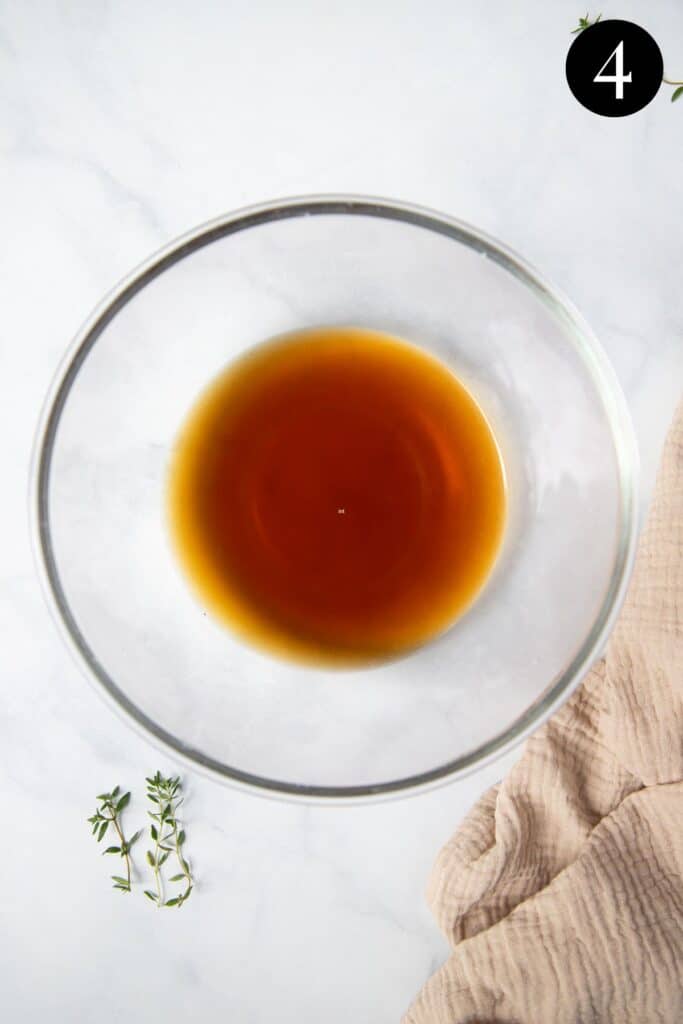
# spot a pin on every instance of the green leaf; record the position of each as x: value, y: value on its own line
x: 150, y: 896
x: 152, y: 798
x: 585, y: 23
x: 133, y: 839
x: 162, y: 860
x: 181, y: 837
x: 120, y: 880
x: 153, y: 831
x: 172, y: 902
x: 185, y: 866
x: 112, y: 849
x: 150, y: 858
x: 677, y: 93
x: 177, y: 878
x: 103, y: 796
x: 103, y: 829
x: 123, y: 888
x: 123, y: 802
x: 115, y: 791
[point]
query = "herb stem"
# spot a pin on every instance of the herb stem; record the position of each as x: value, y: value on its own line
x: 181, y: 860
x: 157, y: 872
x: 124, y: 846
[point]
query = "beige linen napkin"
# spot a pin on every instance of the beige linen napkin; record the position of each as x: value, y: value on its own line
x: 562, y: 891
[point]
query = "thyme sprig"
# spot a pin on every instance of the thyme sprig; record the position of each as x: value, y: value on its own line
x: 168, y: 838
x: 585, y: 23
x: 107, y: 814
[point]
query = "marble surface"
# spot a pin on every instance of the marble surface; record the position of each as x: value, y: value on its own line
x: 121, y: 126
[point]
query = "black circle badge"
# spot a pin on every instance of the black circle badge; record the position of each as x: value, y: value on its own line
x: 614, y: 68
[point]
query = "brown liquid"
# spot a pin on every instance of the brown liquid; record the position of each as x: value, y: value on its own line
x: 337, y: 496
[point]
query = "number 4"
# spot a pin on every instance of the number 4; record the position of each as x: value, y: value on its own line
x: 618, y: 77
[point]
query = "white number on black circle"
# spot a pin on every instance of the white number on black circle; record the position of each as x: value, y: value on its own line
x: 618, y: 77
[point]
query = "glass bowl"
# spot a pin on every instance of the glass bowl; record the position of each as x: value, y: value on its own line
x: 121, y: 599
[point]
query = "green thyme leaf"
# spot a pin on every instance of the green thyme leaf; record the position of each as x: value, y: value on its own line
x: 585, y: 23
x: 123, y: 802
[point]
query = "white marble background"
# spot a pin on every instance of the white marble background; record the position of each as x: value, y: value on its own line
x: 121, y: 125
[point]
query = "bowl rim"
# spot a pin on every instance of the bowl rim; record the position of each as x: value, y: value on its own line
x: 576, y: 330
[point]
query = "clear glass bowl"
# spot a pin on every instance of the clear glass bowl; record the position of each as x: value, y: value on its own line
x: 101, y: 461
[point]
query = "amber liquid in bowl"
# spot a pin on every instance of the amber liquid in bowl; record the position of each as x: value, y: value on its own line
x: 337, y: 496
